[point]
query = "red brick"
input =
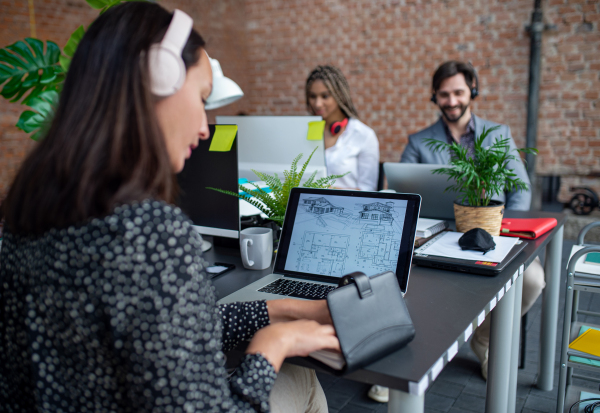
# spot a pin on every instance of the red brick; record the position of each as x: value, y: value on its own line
x: 388, y: 61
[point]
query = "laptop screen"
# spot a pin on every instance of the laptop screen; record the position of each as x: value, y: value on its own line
x: 330, y: 233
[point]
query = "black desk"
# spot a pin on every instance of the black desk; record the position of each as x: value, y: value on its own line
x: 445, y: 308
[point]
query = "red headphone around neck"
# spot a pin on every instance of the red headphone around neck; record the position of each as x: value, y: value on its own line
x: 336, y: 127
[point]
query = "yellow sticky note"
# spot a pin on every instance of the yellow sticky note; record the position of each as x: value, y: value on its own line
x: 223, y: 138
x: 315, y: 130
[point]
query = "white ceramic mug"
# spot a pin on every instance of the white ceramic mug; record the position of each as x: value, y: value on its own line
x: 256, y: 245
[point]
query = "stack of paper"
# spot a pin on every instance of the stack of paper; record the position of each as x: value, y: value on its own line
x: 427, y: 227
x: 331, y: 358
x: 587, y: 264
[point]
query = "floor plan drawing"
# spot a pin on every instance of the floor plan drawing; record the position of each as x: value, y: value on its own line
x: 323, y: 254
x: 378, y: 247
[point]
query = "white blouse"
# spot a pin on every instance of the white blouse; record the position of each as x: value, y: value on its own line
x: 356, y: 151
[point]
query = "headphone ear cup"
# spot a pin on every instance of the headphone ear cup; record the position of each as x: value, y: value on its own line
x: 335, y: 128
x: 433, y: 98
x: 474, y: 93
x: 167, y: 70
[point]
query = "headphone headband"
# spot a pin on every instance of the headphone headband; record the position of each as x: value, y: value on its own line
x: 167, y: 70
x: 473, y: 88
x: 178, y: 32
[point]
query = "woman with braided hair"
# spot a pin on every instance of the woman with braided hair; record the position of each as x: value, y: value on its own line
x: 350, y: 145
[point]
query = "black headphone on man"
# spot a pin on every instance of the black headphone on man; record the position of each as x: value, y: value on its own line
x: 474, y: 89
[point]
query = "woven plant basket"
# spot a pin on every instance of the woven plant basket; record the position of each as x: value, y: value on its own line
x: 488, y: 217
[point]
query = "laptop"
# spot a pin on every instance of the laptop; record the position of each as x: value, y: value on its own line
x: 329, y: 233
x: 417, y: 178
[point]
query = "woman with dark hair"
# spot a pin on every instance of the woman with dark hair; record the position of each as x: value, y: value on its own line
x: 104, y: 301
x: 350, y: 145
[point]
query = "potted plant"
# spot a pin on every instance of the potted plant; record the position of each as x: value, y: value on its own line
x: 35, y: 75
x: 478, y: 179
x: 273, y: 201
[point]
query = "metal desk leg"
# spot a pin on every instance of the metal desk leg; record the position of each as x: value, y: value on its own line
x: 514, y: 352
x: 500, y: 354
x: 550, y: 311
x: 402, y: 402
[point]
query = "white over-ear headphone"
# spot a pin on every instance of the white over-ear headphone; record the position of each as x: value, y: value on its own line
x: 167, y: 70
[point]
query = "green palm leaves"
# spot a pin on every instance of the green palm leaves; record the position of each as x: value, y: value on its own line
x: 274, y: 202
x: 103, y: 5
x: 25, y: 66
x: 38, y: 120
x: 30, y: 70
x: 487, y: 174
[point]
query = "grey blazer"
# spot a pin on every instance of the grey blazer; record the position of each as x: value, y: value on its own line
x: 417, y: 152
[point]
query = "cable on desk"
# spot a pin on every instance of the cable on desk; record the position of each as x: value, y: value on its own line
x: 590, y: 407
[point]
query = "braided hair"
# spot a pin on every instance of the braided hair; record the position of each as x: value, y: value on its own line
x: 336, y: 84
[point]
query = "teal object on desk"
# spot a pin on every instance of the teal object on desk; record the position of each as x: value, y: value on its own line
x: 592, y: 258
x: 243, y: 181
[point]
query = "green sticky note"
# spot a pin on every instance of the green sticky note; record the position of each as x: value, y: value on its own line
x: 315, y: 130
x: 223, y: 138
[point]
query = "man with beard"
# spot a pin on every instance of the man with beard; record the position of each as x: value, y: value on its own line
x: 454, y: 85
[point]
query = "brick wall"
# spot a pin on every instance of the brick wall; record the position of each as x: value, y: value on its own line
x: 388, y: 50
x: 220, y: 23
x: 569, y: 134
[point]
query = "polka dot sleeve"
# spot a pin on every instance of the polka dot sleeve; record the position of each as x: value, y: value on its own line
x: 253, y: 378
x: 118, y: 315
x: 241, y: 321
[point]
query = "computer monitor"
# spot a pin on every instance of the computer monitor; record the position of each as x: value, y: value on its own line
x: 269, y: 144
x: 212, y: 213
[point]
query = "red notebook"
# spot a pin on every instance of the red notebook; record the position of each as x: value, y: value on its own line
x: 529, y: 228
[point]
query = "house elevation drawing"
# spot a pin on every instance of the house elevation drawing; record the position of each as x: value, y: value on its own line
x: 336, y: 235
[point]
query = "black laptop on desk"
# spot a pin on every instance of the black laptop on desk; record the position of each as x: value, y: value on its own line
x: 479, y: 266
x: 329, y: 233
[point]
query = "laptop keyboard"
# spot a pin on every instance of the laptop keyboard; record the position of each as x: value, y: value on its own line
x: 298, y: 289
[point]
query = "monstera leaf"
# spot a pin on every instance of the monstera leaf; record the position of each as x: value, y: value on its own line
x: 25, y: 66
x: 39, y: 121
x: 70, y: 47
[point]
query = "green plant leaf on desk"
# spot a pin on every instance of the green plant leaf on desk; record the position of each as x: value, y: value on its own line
x: 274, y: 203
x: 25, y: 66
x: 486, y: 174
